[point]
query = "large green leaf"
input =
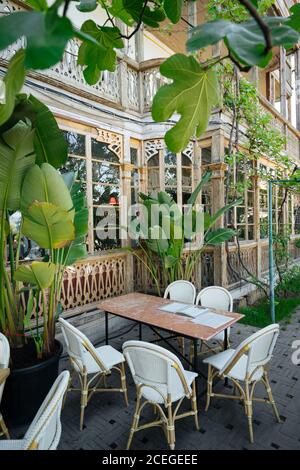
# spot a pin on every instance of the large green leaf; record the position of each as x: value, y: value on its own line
x: 294, y: 19
x: 38, y: 273
x: 45, y: 184
x: 16, y: 158
x: 223, y: 210
x: 157, y: 240
x: 13, y: 82
x: 192, y: 94
x: 48, y: 225
x: 78, y: 249
x: 46, y: 35
x: 101, y: 57
x: 49, y: 142
x: 87, y: 5
x: 219, y: 236
x: 117, y: 10
x: 173, y: 9
x: 193, y: 197
x: 244, y: 40
x: 150, y: 16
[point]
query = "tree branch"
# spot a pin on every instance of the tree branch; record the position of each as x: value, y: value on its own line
x: 264, y: 28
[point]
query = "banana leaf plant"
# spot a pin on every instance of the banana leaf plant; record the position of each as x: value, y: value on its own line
x: 53, y: 214
x: 172, y: 243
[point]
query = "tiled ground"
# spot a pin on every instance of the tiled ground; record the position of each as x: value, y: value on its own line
x: 224, y: 426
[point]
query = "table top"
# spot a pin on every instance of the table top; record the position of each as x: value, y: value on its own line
x: 144, y: 308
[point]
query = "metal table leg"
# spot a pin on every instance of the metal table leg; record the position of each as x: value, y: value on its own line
x: 140, y: 331
x: 226, y: 347
x: 106, y: 327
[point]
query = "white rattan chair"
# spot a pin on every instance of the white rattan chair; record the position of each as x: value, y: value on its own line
x: 4, y: 373
x: 248, y: 365
x: 181, y: 291
x: 92, y: 365
x: 160, y: 381
x: 45, y: 430
x: 219, y: 298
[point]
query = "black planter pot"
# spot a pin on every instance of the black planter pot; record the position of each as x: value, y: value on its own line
x: 26, y: 388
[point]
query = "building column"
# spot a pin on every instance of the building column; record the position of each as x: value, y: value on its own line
x: 218, y: 168
x: 297, y: 83
x: 192, y: 15
x: 283, y: 101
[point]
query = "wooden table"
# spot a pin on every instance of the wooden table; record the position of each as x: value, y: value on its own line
x: 144, y: 309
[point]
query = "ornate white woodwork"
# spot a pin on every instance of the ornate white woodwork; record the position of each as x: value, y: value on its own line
x: 114, y: 141
x: 152, y: 147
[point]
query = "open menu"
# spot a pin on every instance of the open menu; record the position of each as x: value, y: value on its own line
x: 184, y: 309
x: 213, y: 320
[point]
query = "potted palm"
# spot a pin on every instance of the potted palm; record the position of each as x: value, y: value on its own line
x: 51, y: 212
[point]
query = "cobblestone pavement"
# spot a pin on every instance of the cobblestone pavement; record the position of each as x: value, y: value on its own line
x: 224, y: 426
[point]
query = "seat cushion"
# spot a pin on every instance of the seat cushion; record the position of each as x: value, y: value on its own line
x: 238, y: 372
x: 107, y: 354
x: 177, y: 391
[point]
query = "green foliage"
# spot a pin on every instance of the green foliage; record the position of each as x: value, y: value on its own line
x: 244, y: 41
x: 290, y: 283
x: 164, y: 238
x: 192, y: 94
x: 102, y: 56
x: 259, y: 315
x: 294, y: 20
x: 150, y: 16
x: 233, y: 10
x: 117, y: 9
x: 46, y: 35
x: 49, y: 143
x: 16, y: 158
x: 13, y: 82
x: 173, y: 9
x: 38, y: 273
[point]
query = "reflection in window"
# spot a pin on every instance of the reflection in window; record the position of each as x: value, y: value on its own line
x: 106, y: 191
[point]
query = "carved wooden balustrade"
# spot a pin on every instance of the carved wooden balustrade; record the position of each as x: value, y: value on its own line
x: 93, y: 279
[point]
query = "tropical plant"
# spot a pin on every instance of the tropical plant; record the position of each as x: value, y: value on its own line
x: 52, y: 213
x: 171, y: 242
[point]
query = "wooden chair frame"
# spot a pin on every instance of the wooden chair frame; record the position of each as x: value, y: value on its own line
x: 167, y: 420
x: 246, y: 393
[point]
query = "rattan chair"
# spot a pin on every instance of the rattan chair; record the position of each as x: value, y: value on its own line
x: 181, y: 291
x: 4, y: 373
x: 92, y: 365
x: 45, y: 430
x: 246, y: 365
x: 162, y: 382
x: 219, y: 298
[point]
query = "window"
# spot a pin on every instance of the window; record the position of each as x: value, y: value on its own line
x: 172, y: 173
x: 135, y: 180
x: 106, y: 193
x: 77, y: 156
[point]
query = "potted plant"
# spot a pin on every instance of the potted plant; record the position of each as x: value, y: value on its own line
x: 50, y: 210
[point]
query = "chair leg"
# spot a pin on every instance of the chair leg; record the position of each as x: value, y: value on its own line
x: 3, y: 427
x: 171, y: 426
x: 194, y: 405
x: 209, y: 387
x: 135, y: 422
x: 270, y: 396
x: 123, y: 383
x: 249, y: 412
x: 83, y: 402
x: 192, y: 352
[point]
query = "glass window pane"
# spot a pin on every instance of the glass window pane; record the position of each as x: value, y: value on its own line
x: 170, y: 176
x: 105, y: 194
x: 153, y: 179
x: 186, y: 177
x: 76, y: 143
x: 206, y: 155
x: 153, y: 161
x: 170, y: 158
x: 106, y: 173
x: 134, y: 156
x: 78, y: 165
x: 100, y: 151
x: 185, y: 161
